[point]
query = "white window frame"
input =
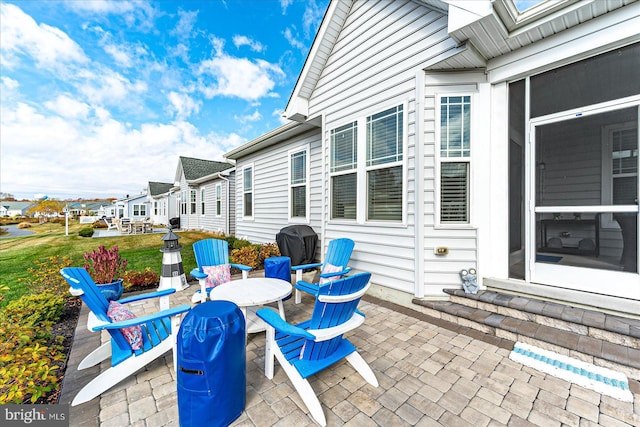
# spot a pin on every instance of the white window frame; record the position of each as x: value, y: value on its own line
x: 250, y: 191
x: 218, y: 200
x: 155, y: 208
x: 304, y: 149
x: 183, y: 202
x: 361, y: 168
x: 440, y: 160
x: 203, y: 198
x: 140, y: 208
x: 193, y: 202
x: 606, y: 219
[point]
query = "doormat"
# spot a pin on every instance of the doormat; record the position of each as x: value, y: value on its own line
x: 587, y: 375
x: 548, y: 258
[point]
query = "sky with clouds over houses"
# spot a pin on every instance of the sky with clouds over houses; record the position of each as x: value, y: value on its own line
x: 99, y: 97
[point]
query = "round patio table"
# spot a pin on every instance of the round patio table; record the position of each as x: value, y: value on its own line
x: 249, y: 294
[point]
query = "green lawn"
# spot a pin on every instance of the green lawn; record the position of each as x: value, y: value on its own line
x: 17, y: 254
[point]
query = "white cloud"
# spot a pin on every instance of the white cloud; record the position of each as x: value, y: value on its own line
x: 183, y: 105
x: 138, y: 14
x: 255, y: 46
x: 185, y: 24
x: 293, y: 39
x: 95, y: 156
x: 256, y: 116
x: 284, y: 4
x: 49, y: 47
x: 312, y: 18
x: 68, y: 107
x: 111, y: 88
x: 225, y: 75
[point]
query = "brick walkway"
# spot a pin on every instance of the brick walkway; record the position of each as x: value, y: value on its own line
x: 431, y: 374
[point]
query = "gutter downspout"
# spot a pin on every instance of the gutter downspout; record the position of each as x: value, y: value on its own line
x: 227, y: 220
x: 419, y: 186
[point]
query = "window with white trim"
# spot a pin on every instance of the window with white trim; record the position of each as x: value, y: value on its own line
x: 183, y: 202
x: 192, y: 199
x: 139, y: 210
x: 454, y: 158
x: 155, y: 207
x: 218, y: 199
x: 343, y: 172
x: 247, y: 191
x: 384, y: 165
x: 298, y: 182
x: 202, y: 199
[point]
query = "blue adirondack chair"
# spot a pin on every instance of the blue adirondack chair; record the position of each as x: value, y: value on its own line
x: 211, y: 252
x: 158, y: 334
x: 334, y: 266
x: 311, y: 346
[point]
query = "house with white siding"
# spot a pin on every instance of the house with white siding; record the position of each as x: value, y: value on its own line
x: 205, y: 194
x: 134, y: 207
x: 448, y: 135
x: 162, y: 208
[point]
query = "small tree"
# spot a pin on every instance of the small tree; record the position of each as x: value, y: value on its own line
x: 46, y: 208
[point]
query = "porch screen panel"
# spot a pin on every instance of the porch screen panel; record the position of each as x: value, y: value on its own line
x: 611, y: 75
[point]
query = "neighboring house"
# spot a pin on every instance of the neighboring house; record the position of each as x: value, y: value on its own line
x: 276, y: 185
x: 14, y: 208
x: 204, y: 190
x: 163, y: 206
x: 134, y: 207
x: 452, y: 135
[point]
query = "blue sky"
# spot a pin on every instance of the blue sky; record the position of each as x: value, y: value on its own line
x: 97, y: 98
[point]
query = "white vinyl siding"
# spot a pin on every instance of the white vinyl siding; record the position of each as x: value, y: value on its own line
x: 271, y: 212
x: 299, y: 183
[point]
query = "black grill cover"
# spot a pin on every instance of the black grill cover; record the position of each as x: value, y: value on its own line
x: 298, y: 242
x: 175, y: 222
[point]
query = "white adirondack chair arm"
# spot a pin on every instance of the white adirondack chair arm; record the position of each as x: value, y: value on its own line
x: 75, y: 292
x: 328, y: 333
x: 344, y: 298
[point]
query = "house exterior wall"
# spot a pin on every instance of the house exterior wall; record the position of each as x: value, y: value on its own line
x: 271, y: 187
x: 375, y: 65
x: 210, y: 221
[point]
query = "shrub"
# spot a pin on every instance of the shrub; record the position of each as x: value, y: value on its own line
x: 46, y: 277
x: 240, y: 243
x: 268, y: 250
x: 247, y: 255
x: 24, y: 225
x: 86, y: 232
x: 105, y: 265
x: 29, y: 357
x: 35, y: 309
x: 143, y: 279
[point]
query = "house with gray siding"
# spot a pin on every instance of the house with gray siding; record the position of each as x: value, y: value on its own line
x: 162, y: 204
x: 448, y: 135
x: 204, y: 192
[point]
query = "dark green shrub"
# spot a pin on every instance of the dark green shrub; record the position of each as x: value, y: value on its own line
x: 86, y: 232
x: 241, y: 243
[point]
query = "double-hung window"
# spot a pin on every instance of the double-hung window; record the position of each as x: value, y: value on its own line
x: 298, y: 182
x: 247, y: 191
x: 218, y: 199
x: 455, y: 156
x: 140, y: 210
x: 202, y: 198
x: 193, y: 201
x: 155, y: 207
x: 343, y: 170
x: 183, y: 202
x: 384, y: 165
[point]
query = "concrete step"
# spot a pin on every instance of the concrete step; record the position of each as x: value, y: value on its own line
x: 594, y: 337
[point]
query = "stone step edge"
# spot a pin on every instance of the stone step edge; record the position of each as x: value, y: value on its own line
x: 609, y: 354
x: 624, y: 327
